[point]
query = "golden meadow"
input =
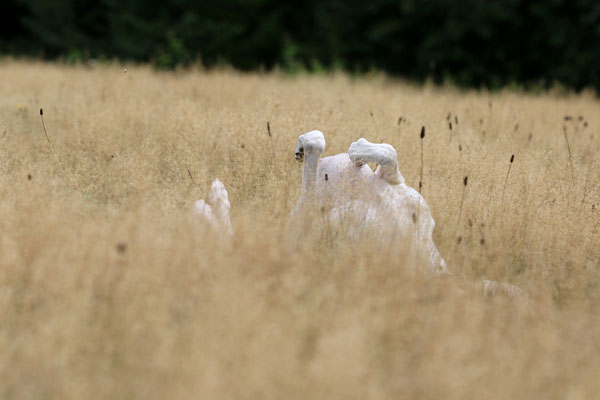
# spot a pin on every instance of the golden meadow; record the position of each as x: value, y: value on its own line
x: 110, y: 289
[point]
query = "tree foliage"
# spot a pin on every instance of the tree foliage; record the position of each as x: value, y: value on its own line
x: 469, y: 42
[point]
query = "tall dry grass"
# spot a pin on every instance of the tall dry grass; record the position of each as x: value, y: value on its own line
x: 109, y: 289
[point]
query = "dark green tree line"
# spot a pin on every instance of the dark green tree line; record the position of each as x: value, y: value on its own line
x: 469, y: 42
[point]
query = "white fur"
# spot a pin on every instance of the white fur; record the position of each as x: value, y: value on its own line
x: 217, y: 213
x: 491, y: 288
x: 358, y: 200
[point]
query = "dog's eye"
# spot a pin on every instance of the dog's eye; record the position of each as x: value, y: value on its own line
x: 301, y: 149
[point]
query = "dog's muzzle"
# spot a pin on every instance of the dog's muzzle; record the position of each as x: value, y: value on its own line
x: 300, y: 155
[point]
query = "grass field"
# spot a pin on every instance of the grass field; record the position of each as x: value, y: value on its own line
x: 109, y: 289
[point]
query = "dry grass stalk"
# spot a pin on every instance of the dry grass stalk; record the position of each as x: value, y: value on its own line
x: 422, y: 136
x: 512, y: 158
x: 462, y: 201
x: 271, y: 140
x: 570, y: 155
x: 44, y: 126
x: 191, y: 177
